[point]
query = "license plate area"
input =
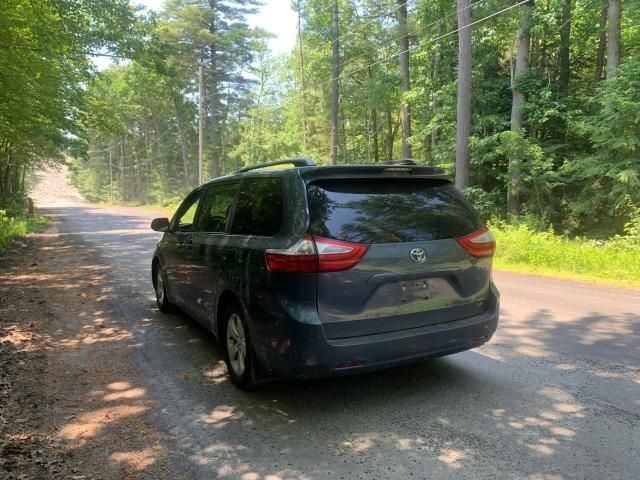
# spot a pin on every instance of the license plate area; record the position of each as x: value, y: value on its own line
x: 414, y: 291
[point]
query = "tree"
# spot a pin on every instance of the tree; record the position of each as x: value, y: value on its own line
x: 335, y: 80
x: 564, y: 51
x: 216, y: 33
x: 404, y: 75
x: 602, y: 45
x: 463, y: 122
x: 521, y: 66
x: 613, y: 44
x: 43, y: 71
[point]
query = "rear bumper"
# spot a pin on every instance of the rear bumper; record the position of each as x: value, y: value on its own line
x: 301, y: 350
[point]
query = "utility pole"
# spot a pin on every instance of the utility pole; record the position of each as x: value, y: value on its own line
x: 200, y: 121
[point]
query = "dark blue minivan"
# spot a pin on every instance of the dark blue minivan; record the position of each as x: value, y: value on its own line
x: 304, y: 271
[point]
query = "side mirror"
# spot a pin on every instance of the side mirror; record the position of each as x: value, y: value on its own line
x: 160, y: 224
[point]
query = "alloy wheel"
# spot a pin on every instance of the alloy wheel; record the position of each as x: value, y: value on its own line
x: 236, y: 344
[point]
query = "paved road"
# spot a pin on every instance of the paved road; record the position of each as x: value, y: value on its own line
x: 555, y: 394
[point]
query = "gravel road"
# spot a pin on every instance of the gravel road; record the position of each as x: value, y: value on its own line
x: 555, y: 395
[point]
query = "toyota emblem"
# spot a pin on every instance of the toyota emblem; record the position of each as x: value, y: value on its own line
x: 418, y: 255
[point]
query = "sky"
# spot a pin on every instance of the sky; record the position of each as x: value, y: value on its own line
x: 275, y: 16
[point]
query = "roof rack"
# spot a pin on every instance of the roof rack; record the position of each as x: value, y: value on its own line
x: 296, y: 162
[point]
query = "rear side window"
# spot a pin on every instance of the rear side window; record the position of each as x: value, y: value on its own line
x: 216, y: 207
x: 260, y: 207
x: 389, y: 210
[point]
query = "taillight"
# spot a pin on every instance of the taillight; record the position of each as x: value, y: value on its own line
x: 334, y: 255
x: 479, y: 244
x: 315, y: 254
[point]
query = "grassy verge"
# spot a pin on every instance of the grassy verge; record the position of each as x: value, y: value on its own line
x: 13, y: 227
x: 616, y: 262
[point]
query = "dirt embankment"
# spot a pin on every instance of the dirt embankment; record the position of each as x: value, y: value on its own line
x: 71, y: 404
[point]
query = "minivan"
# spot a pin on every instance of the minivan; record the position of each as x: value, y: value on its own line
x: 307, y: 271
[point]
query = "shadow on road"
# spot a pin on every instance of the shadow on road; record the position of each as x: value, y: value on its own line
x: 524, y: 406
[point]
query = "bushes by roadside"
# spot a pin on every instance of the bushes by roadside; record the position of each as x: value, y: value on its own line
x: 12, y: 225
x: 615, y: 261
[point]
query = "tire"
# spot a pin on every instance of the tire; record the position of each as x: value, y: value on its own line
x: 160, y: 287
x: 238, y: 353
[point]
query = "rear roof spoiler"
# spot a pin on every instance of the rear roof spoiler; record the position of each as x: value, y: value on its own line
x: 380, y: 170
x: 391, y: 168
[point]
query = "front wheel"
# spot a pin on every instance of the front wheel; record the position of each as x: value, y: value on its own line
x: 238, y: 354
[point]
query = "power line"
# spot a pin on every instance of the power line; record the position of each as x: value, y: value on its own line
x: 424, y: 43
x: 374, y: 18
x: 413, y: 32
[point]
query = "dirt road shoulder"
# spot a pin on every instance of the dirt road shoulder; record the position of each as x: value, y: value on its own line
x: 71, y: 403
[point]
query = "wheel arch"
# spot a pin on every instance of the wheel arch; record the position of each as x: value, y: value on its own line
x: 227, y: 297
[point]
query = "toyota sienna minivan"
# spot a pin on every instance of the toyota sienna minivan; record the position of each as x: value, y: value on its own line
x: 306, y: 271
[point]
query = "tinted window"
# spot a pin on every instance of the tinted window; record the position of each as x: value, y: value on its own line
x: 216, y: 207
x: 389, y: 211
x: 185, y: 215
x: 259, y: 209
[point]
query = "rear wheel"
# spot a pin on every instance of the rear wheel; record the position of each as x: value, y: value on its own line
x: 238, y: 353
x: 161, y: 291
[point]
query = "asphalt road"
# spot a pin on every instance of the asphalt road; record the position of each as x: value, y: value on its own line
x: 555, y: 395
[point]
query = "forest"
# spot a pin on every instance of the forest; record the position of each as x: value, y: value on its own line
x: 534, y: 107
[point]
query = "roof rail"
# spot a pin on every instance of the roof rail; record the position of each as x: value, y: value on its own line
x: 397, y: 162
x: 296, y: 162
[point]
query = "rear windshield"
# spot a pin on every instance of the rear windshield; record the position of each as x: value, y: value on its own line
x: 389, y: 211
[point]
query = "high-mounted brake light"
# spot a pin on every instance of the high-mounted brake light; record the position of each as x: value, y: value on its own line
x: 479, y: 244
x: 315, y: 254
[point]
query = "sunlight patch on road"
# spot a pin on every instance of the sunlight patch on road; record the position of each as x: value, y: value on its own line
x: 140, y: 459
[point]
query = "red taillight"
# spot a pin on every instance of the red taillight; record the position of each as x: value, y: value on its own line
x: 315, y: 254
x: 479, y: 244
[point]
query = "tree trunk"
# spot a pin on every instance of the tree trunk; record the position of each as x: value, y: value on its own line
x: 302, y: 92
x: 390, y: 133
x: 183, y: 146
x: 374, y: 128
x: 404, y: 75
x: 517, y: 115
x: 613, y: 46
x: 435, y: 105
x: 463, y: 120
x: 123, y: 177
x: 522, y: 64
x: 335, y: 73
x: 215, y: 169
x: 213, y: 109
x: 563, y: 55
x: 602, y: 45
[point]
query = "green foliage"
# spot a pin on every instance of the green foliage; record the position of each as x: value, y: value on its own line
x: 13, y: 226
x: 44, y: 68
x: 520, y: 248
x: 601, y: 183
x: 10, y: 227
x: 491, y: 157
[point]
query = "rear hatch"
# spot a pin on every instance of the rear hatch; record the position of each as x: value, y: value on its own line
x: 415, y: 271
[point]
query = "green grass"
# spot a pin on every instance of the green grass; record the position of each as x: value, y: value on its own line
x: 13, y: 227
x: 519, y: 249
